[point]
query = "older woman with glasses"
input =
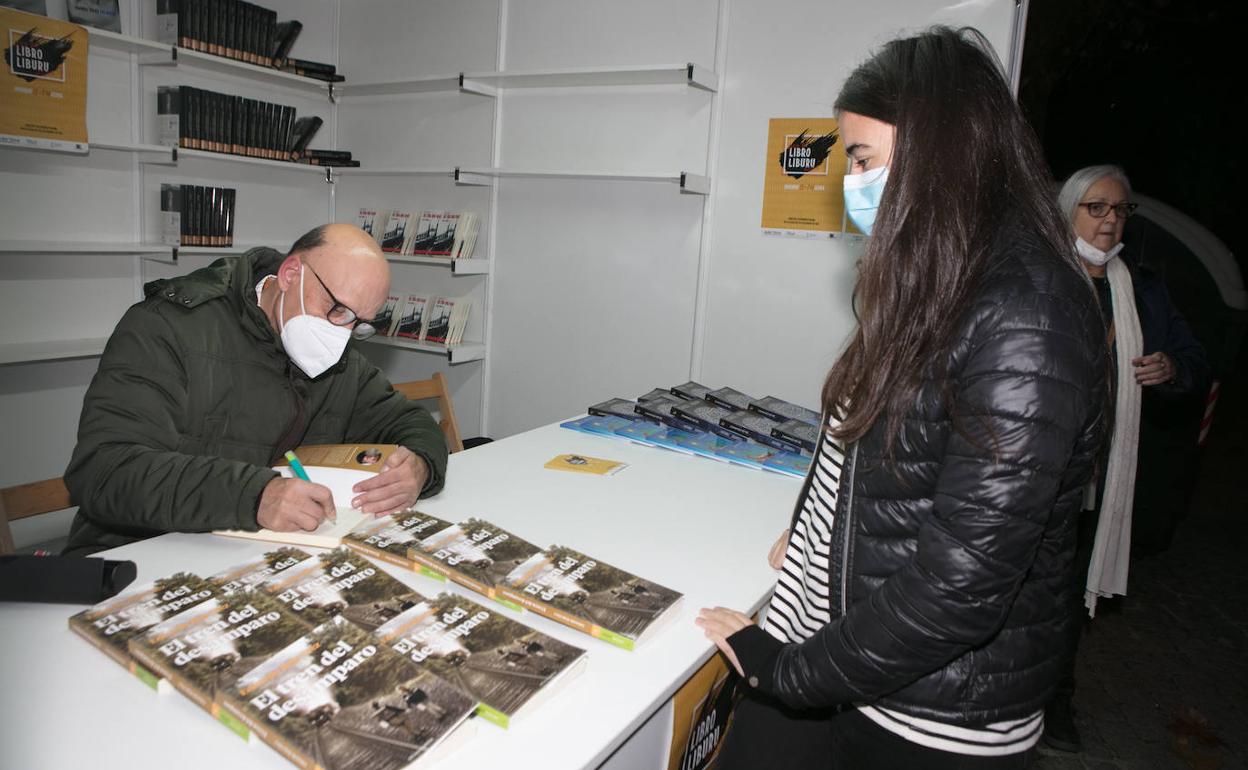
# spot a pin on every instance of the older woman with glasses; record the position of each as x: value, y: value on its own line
x: 1152, y: 351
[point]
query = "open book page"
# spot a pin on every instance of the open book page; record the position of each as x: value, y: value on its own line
x: 340, y: 481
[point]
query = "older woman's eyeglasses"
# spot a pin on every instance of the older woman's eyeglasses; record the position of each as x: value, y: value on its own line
x: 1100, y: 209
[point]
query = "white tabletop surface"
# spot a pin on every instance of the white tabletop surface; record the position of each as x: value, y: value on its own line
x: 693, y: 524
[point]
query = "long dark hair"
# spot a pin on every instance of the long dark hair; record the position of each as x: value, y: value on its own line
x: 965, y: 166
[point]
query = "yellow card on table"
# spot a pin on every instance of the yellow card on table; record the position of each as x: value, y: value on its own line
x: 583, y: 464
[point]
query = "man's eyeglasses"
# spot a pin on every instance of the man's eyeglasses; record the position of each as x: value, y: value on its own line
x: 341, y: 315
x: 1100, y: 209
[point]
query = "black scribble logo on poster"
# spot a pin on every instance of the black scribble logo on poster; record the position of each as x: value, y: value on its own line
x: 33, y: 56
x: 805, y: 153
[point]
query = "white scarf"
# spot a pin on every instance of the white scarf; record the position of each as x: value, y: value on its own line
x: 1107, y: 574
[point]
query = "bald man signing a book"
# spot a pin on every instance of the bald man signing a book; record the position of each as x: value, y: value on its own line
x: 207, y: 382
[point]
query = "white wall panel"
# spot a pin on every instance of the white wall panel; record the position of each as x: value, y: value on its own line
x: 381, y: 40
x: 443, y: 130
x: 622, y: 129
x: 788, y: 59
x: 54, y: 196
x: 594, y: 298
x: 553, y: 34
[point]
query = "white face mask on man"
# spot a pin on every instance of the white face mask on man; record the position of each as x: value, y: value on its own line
x: 313, y: 343
x: 1094, y: 256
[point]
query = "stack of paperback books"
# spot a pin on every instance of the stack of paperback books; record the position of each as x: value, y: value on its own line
x: 333, y: 662
x: 329, y: 659
x: 192, y: 215
x: 431, y: 233
x: 723, y: 424
x: 580, y: 591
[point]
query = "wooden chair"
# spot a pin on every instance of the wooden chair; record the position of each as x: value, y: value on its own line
x: 23, y: 500
x: 435, y: 387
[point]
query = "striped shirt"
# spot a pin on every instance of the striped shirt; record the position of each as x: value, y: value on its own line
x: 801, y: 605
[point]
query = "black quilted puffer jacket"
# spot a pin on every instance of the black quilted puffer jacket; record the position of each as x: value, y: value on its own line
x: 951, y: 561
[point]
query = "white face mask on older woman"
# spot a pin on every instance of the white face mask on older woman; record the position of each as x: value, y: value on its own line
x: 1094, y: 256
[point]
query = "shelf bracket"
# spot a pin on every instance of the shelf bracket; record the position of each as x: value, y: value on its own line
x: 470, y: 179
x: 467, y: 86
x: 329, y: 175
x: 173, y: 257
x: 333, y: 94
x: 700, y: 77
x: 695, y: 184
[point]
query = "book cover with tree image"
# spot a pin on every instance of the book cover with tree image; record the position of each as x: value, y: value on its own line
x: 390, y: 538
x: 475, y: 554
x: 338, y: 698
x: 341, y: 582
x: 255, y: 571
x: 603, y: 601
x: 208, y: 647
x: 110, y: 625
x: 510, y: 668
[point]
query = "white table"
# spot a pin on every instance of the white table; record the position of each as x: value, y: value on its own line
x: 696, y: 525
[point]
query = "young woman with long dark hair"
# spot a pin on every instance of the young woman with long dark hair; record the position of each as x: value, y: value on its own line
x: 920, y: 612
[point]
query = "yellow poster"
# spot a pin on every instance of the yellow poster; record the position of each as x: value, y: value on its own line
x: 701, y: 710
x: 43, y: 90
x: 802, y: 186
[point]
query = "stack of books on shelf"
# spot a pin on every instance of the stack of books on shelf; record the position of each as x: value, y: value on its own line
x: 237, y: 30
x: 423, y: 318
x: 197, y: 119
x: 334, y: 662
x: 448, y: 234
x: 192, y: 215
x: 723, y: 424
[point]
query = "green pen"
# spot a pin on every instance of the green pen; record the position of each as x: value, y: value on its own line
x: 297, y: 466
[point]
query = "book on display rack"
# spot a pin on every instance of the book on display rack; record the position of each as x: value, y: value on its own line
x: 447, y: 234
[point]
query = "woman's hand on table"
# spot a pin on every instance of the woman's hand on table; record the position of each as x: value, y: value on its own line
x: 775, y: 557
x: 720, y: 623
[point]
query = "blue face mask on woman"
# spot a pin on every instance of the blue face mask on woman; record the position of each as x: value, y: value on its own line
x: 862, y: 196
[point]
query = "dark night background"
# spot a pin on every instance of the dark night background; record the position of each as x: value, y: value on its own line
x: 1154, y: 86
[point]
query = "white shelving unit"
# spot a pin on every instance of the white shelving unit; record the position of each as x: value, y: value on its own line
x: 51, y: 350
x: 687, y: 182
x: 456, y: 354
x: 153, y: 53
x: 689, y: 74
x: 80, y: 247
x: 456, y: 266
x: 490, y: 83
x: 397, y: 176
